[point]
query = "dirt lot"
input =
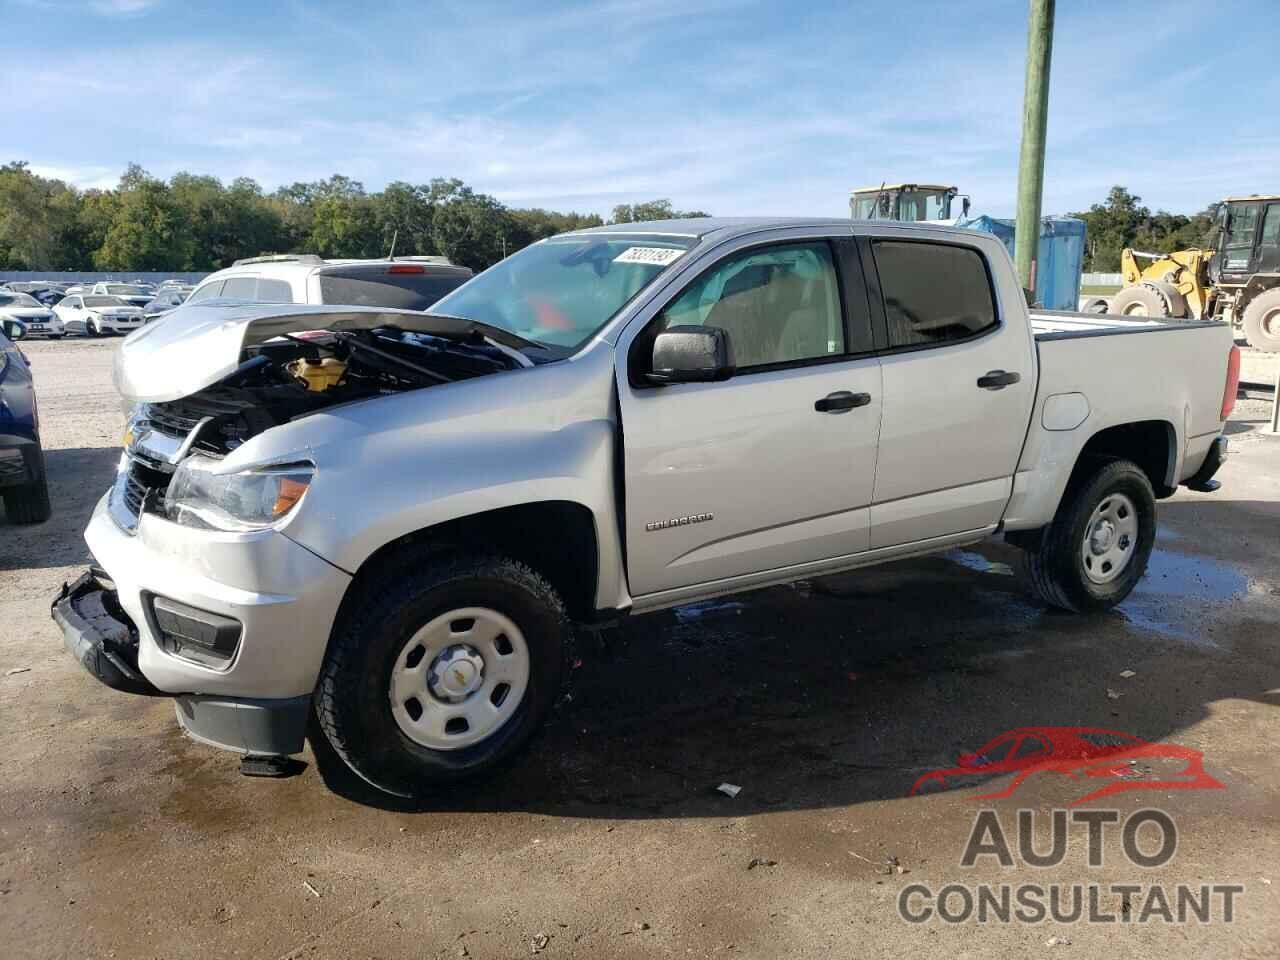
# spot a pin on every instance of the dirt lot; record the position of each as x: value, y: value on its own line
x: 825, y: 701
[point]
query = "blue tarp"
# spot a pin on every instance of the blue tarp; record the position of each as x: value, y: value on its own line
x: 1059, y: 262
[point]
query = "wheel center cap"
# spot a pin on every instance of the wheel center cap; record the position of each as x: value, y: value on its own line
x: 1104, y: 534
x: 456, y: 673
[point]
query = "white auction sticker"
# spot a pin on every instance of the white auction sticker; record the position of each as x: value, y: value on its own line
x: 655, y: 256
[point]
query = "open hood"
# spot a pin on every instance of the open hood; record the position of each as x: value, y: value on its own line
x: 198, y: 344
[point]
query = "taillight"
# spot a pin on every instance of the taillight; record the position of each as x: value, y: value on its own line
x: 1233, y: 382
x: 407, y: 268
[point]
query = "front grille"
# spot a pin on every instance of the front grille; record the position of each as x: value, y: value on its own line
x: 170, y: 422
x: 140, y: 482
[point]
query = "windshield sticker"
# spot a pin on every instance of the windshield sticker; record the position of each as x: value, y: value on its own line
x: 654, y: 256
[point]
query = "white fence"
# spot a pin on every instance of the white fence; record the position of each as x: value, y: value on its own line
x: 1102, y: 280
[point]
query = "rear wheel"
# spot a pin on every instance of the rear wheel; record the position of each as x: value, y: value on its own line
x: 440, y: 669
x: 1096, y: 305
x: 1096, y: 550
x: 1139, y: 301
x: 30, y: 502
x: 1175, y: 303
x: 1262, y: 321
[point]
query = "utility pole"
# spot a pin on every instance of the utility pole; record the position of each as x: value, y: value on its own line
x: 1035, y: 113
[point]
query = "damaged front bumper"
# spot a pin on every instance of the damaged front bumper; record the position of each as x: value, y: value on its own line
x: 99, y: 634
x: 169, y: 612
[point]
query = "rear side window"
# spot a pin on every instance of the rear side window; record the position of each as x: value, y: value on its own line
x: 406, y: 291
x: 934, y: 293
x: 207, y: 292
x: 240, y: 288
x: 274, y: 291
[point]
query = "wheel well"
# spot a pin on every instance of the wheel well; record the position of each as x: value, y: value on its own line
x: 1151, y: 444
x: 557, y: 538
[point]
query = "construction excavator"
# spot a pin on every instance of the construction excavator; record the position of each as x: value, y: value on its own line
x: 1237, y: 281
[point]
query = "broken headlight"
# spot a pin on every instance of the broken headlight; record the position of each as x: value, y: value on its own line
x: 252, y: 499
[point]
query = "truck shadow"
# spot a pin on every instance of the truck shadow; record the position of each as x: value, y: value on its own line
x: 847, y: 689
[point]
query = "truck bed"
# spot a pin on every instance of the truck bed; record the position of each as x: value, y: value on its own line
x: 1066, y: 324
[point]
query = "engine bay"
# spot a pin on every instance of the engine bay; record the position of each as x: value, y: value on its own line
x: 291, y: 376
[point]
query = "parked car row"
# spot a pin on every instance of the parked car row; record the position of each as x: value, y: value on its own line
x: 53, y: 309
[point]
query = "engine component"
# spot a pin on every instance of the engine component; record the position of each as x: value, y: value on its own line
x: 318, y: 375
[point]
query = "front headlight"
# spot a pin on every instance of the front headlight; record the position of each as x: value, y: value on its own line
x: 247, y: 500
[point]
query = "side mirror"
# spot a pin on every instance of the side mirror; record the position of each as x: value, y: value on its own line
x: 691, y: 354
x: 13, y: 329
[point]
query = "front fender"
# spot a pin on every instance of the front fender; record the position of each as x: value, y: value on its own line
x: 402, y: 464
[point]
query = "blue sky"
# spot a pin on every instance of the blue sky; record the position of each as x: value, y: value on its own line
x: 732, y: 106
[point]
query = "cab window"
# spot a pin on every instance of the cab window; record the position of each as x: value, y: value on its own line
x: 779, y: 304
x: 934, y: 293
x: 1241, y: 229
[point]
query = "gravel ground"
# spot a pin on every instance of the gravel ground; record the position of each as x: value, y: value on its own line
x: 824, y: 701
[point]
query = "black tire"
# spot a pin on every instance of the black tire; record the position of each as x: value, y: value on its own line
x: 29, y: 503
x: 353, y: 707
x: 55, y: 336
x: 1051, y: 565
x: 91, y: 329
x: 1262, y: 321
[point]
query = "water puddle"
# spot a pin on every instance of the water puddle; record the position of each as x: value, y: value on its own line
x: 977, y: 562
x: 693, y: 612
x: 1170, y: 600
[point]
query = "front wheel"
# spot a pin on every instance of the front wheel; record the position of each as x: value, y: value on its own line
x: 440, y: 669
x: 1096, y: 549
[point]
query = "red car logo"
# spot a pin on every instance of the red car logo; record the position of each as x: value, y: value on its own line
x: 1079, y: 753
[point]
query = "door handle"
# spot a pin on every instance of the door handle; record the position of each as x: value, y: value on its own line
x: 997, y: 379
x: 841, y: 401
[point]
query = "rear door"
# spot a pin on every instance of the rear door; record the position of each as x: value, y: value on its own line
x: 959, y: 384
x: 759, y: 472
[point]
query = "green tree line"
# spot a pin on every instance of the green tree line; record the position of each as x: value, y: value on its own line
x: 193, y: 222
x: 1122, y: 221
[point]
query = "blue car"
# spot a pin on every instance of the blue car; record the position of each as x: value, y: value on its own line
x: 23, y: 484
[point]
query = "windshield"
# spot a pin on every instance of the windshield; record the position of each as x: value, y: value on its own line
x: 18, y: 300
x: 124, y: 290
x: 561, y: 291
x: 104, y: 302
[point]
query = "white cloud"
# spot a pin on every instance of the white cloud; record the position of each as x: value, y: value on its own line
x: 86, y: 178
x: 122, y: 8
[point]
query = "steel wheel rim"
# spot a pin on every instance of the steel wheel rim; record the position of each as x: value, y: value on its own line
x: 459, y: 679
x: 1136, y: 309
x: 1110, y: 538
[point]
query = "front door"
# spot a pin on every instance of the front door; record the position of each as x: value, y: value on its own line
x: 775, y: 466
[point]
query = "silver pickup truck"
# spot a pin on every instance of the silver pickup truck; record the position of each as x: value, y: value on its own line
x: 394, y: 519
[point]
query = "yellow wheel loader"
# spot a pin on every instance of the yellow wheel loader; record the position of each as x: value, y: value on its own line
x: 1236, y: 282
